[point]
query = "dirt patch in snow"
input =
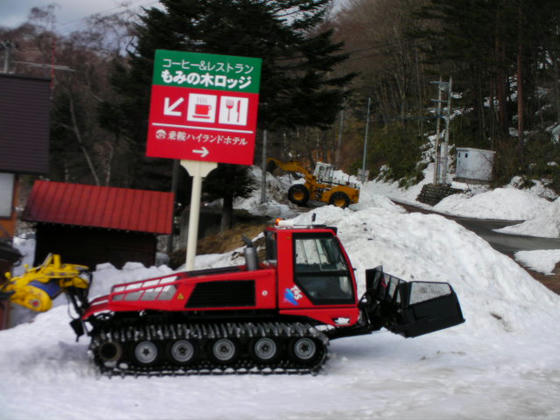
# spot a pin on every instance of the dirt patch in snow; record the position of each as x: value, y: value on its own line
x: 222, y: 242
x: 552, y: 281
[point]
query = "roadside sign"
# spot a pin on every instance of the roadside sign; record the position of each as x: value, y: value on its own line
x: 204, y: 107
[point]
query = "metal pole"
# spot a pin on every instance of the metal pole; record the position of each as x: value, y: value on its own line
x: 263, y: 182
x: 446, y: 143
x: 365, y: 142
x: 438, y: 153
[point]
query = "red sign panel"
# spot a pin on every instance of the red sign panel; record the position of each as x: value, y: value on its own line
x: 199, y: 112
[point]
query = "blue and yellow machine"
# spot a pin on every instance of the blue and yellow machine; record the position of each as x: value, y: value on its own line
x: 39, y: 286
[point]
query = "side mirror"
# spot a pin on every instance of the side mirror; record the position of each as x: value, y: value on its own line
x: 8, y: 275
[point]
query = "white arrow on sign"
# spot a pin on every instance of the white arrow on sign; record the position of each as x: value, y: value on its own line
x: 202, y: 152
x: 170, y: 109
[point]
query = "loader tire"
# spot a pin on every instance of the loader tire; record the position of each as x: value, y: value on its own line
x: 339, y: 199
x: 298, y: 194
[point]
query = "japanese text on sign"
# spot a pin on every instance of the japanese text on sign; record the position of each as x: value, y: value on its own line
x: 207, y: 71
x: 205, y: 80
x: 163, y: 134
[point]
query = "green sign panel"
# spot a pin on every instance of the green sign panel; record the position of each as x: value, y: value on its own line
x: 207, y: 71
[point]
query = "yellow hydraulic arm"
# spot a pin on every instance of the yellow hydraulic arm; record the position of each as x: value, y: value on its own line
x: 38, y: 286
x: 273, y: 163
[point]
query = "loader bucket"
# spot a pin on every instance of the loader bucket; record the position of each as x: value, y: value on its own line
x: 414, y: 308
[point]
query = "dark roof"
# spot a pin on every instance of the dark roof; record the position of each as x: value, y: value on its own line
x: 24, y: 124
x: 103, y: 207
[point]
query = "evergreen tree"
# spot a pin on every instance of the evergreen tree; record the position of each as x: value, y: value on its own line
x: 297, y: 86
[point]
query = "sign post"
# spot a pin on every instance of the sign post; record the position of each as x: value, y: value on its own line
x: 203, y: 111
x: 198, y: 170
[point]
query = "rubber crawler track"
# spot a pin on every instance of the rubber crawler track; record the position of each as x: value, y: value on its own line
x: 202, y: 336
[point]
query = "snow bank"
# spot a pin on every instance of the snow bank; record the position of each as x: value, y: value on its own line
x: 542, y: 260
x: 502, y: 203
x: 545, y: 224
x: 276, y: 195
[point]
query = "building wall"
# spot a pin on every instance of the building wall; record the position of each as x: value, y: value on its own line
x: 92, y: 246
x: 8, y: 224
x: 7, y: 231
x: 474, y: 164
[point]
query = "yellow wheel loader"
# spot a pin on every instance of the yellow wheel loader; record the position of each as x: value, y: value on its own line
x: 318, y: 186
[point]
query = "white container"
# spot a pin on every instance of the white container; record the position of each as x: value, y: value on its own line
x: 474, y: 164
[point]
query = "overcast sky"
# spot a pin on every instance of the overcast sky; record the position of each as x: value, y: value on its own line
x: 68, y: 12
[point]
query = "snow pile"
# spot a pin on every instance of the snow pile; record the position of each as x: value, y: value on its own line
x: 502, y: 363
x: 542, y: 260
x: 106, y: 275
x: 369, y: 198
x: 26, y: 247
x: 276, y: 194
x: 433, y: 248
x: 538, y: 187
x: 545, y: 224
x: 393, y: 191
x: 502, y: 203
x: 341, y: 177
x: 508, y: 203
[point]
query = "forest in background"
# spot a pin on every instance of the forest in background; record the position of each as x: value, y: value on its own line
x: 502, y: 56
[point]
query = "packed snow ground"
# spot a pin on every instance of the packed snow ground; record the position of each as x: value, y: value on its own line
x: 503, y: 362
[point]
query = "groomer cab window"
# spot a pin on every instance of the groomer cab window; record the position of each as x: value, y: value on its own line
x: 320, y: 269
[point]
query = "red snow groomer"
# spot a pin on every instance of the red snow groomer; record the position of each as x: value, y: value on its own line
x: 271, y: 316
x: 276, y: 315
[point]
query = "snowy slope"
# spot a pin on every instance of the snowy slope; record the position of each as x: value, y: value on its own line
x: 541, y: 260
x: 534, y: 205
x: 502, y: 363
x: 513, y: 204
x: 545, y: 223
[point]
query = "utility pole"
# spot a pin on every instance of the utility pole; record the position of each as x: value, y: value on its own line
x: 440, y: 169
x: 447, y: 124
x: 438, y: 116
x: 365, y: 142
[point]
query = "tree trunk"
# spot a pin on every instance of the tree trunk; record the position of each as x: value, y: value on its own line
x: 80, y: 142
x: 520, y: 99
x: 556, y: 89
x: 501, y: 84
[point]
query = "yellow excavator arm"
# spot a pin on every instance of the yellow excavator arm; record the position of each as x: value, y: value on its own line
x: 38, y: 286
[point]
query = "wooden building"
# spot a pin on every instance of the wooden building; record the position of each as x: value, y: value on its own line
x: 24, y: 149
x: 91, y: 225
